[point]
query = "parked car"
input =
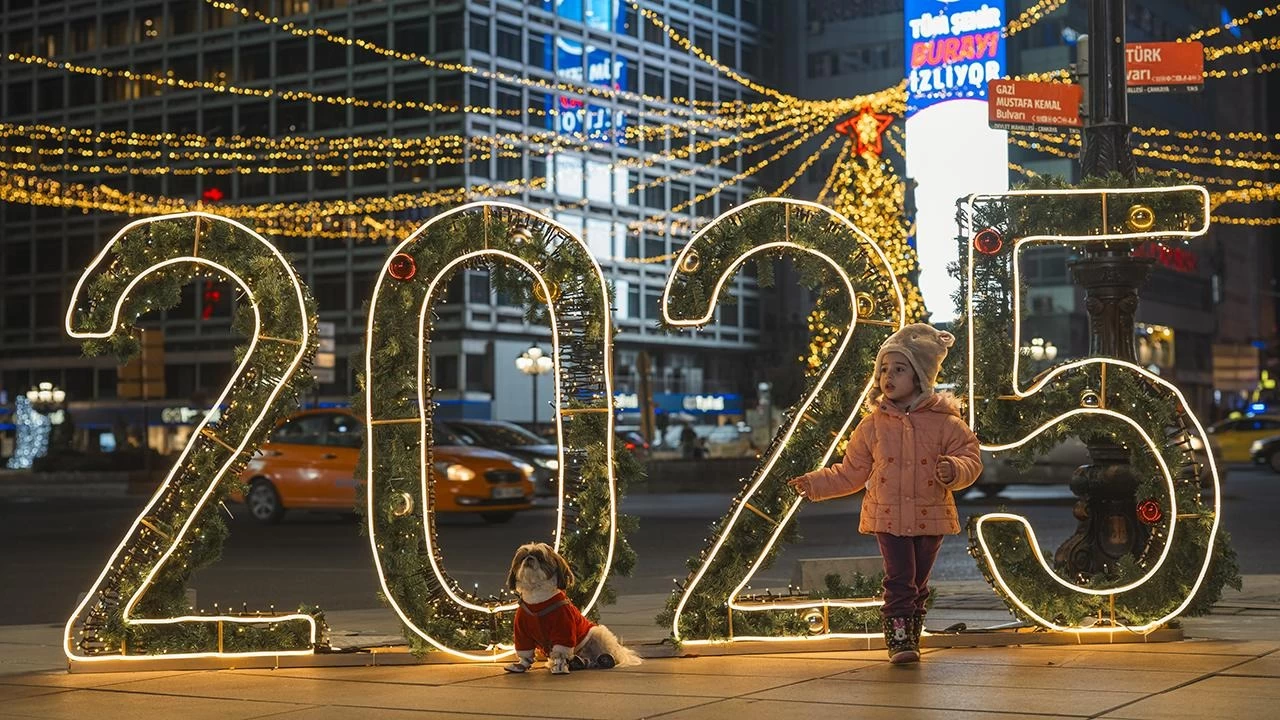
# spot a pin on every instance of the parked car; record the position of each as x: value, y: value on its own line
x: 1236, y: 435
x: 1056, y: 467
x: 515, y: 441
x: 309, y: 463
x: 716, y: 441
x: 1266, y: 452
x: 632, y: 440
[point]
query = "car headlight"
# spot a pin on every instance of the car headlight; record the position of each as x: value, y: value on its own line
x: 551, y: 464
x: 456, y: 472
x: 1256, y: 447
x: 525, y: 468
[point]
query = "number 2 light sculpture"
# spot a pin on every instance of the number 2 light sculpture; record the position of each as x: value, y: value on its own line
x: 136, y: 609
x: 713, y: 604
x: 1008, y: 408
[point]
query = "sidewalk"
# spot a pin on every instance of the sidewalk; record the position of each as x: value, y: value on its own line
x: 1229, y: 666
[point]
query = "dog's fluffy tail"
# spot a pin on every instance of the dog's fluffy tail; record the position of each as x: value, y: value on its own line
x: 602, y: 640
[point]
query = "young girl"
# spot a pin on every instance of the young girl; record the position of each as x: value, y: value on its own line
x: 910, y: 454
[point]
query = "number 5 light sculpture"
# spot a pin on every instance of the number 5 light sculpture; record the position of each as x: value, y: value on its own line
x: 1008, y: 410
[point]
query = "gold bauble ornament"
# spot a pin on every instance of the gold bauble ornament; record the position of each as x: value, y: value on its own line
x: 402, y: 504
x: 691, y: 261
x: 1141, y: 218
x: 1090, y: 398
x: 521, y: 234
x: 865, y: 304
x: 813, y: 618
x: 541, y: 297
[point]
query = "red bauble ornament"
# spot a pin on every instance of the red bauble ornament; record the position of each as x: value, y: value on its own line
x: 1149, y: 512
x: 988, y: 242
x: 403, y: 267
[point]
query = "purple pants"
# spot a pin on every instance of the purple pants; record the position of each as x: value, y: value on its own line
x: 907, y: 564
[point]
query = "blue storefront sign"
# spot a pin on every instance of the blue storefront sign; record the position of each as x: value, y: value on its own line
x: 687, y: 403
x: 953, y: 48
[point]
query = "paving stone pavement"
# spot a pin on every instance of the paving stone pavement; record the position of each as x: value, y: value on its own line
x: 1228, y: 666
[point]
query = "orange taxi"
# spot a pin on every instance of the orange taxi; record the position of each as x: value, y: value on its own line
x: 309, y: 463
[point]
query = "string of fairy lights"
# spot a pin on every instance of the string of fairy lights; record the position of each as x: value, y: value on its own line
x: 31, y: 155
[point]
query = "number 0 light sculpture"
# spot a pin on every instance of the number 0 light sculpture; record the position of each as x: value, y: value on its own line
x: 397, y: 461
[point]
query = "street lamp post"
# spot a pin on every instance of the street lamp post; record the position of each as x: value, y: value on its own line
x: 47, y: 399
x: 533, y: 363
x: 1106, y: 487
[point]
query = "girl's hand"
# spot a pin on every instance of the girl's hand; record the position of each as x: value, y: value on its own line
x: 800, y: 485
x: 945, y: 472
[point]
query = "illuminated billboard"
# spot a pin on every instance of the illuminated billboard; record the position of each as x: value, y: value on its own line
x: 574, y: 62
x: 599, y: 14
x: 953, y: 48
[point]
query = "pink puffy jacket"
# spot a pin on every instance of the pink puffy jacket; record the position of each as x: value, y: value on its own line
x: 893, y: 455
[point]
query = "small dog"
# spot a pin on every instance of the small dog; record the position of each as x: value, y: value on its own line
x: 546, y: 620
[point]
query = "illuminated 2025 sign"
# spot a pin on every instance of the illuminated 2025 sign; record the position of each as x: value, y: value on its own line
x: 171, y: 251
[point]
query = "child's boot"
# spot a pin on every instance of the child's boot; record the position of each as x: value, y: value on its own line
x: 917, y: 627
x: 897, y: 638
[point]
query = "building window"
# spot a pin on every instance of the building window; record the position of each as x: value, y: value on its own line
x: 84, y: 35
x: 510, y: 100
x: 291, y: 57
x: 510, y: 168
x: 330, y: 292
x: 750, y: 313
x: 652, y: 310
x: 17, y: 312
x: 478, y: 287
x: 480, y: 35
x: 653, y: 83
x: 295, y: 7
x: 654, y: 34
x: 509, y: 44
x: 478, y: 373
x: 445, y: 371
x: 537, y: 50
x: 449, y: 33
x: 411, y: 37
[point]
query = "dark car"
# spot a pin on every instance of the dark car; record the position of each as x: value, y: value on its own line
x: 634, y: 442
x: 1266, y: 452
x: 517, y: 442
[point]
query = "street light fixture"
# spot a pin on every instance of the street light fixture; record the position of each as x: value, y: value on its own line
x: 46, y: 394
x: 533, y: 362
x: 1040, y: 349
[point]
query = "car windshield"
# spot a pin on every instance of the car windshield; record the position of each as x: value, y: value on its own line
x: 502, y: 434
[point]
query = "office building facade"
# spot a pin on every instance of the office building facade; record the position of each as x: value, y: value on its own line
x: 605, y: 194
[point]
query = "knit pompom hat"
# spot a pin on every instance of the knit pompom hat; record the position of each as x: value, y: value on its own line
x: 924, y: 346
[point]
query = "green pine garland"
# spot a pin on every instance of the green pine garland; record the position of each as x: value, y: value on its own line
x: 1146, y: 403
x: 583, y: 313
x: 270, y: 279
x: 719, y: 250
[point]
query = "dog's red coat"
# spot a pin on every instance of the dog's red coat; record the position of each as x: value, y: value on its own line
x: 554, y: 621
